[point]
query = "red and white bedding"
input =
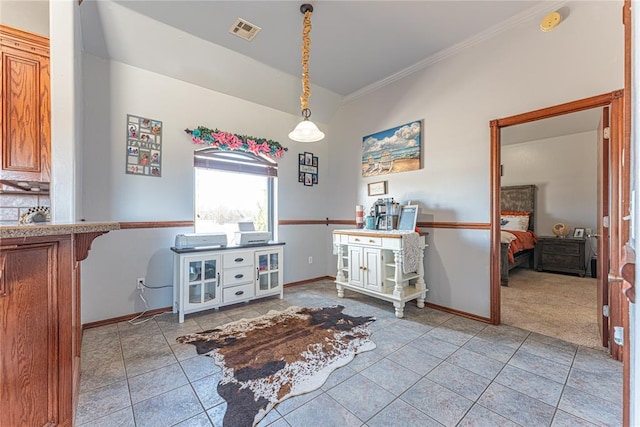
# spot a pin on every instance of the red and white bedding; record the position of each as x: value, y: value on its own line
x: 518, y: 241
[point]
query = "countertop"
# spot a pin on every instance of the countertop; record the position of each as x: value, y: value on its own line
x: 224, y: 248
x: 394, y: 234
x: 8, y: 231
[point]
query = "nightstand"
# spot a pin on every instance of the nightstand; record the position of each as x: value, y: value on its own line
x: 566, y: 255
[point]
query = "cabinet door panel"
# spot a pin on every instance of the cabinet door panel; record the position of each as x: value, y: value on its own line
x: 25, y: 115
x: 355, y: 265
x: 29, y: 337
x: 372, y: 272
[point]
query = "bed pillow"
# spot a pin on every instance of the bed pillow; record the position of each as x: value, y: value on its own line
x: 514, y: 222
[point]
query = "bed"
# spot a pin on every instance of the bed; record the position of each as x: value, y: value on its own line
x: 517, y: 198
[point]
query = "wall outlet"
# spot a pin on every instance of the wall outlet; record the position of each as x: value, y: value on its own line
x: 310, y: 260
x: 140, y: 283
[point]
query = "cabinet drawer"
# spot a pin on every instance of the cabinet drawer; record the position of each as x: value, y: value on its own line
x: 562, y: 248
x: 365, y: 240
x: 236, y: 276
x: 238, y: 259
x: 238, y: 293
x: 561, y: 260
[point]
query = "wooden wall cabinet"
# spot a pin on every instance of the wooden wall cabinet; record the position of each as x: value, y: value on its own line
x: 25, y: 107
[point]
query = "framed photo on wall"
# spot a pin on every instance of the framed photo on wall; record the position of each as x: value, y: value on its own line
x: 377, y: 188
x: 393, y: 150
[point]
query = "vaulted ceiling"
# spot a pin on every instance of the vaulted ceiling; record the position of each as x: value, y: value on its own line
x: 356, y: 46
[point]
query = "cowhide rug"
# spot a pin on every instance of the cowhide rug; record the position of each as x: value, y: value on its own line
x: 281, y: 354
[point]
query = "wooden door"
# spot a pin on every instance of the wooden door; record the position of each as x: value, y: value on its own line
x: 618, y: 225
x: 603, y: 225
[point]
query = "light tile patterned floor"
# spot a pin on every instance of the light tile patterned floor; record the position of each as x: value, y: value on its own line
x: 429, y: 369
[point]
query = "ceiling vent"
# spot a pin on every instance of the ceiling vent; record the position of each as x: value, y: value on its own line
x: 243, y: 29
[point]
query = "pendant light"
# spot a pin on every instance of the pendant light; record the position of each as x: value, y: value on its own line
x: 306, y: 131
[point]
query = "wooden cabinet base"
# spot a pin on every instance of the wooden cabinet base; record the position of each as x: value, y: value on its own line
x: 39, y: 329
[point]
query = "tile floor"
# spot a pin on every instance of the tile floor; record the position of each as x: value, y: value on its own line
x: 429, y: 369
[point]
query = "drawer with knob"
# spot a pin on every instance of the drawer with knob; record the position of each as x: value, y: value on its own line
x: 364, y: 240
x: 238, y: 293
x: 237, y: 276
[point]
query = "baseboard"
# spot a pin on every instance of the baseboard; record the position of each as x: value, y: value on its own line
x: 125, y: 318
x: 458, y: 312
x: 315, y: 279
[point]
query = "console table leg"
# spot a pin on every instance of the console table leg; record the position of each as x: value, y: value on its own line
x: 340, y: 291
x: 399, y: 309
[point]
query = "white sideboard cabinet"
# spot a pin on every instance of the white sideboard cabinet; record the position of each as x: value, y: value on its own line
x: 371, y: 262
x: 206, y: 278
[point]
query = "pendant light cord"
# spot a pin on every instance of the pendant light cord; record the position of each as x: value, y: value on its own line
x: 306, y: 43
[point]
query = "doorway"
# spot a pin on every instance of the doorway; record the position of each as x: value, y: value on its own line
x: 612, y: 100
x: 556, y: 294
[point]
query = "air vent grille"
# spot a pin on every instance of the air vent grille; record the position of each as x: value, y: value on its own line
x: 244, y: 29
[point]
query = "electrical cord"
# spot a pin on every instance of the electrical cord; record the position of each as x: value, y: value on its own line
x: 146, y: 306
x: 156, y: 287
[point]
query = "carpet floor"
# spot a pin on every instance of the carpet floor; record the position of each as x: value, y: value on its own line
x: 556, y: 305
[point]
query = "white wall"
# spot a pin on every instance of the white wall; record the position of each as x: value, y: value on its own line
x: 517, y: 71
x: 564, y: 169
x: 28, y: 15
x: 66, y: 114
x: 111, y: 91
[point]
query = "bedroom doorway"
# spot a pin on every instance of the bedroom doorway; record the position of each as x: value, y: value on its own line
x: 611, y: 100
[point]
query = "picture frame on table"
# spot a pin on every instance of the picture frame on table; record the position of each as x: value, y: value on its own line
x: 408, y: 218
x: 377, y: 188
x: 578, y: 233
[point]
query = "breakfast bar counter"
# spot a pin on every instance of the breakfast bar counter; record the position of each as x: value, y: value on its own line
x: 40, y: 328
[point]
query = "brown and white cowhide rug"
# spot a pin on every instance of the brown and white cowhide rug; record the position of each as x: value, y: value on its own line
x: 281, y: 354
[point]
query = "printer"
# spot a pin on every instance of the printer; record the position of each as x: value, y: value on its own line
x: 201, y: 240
x: 247, y: 235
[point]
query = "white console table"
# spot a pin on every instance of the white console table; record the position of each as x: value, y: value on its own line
x: 206, y: 278
x: 371, y: 262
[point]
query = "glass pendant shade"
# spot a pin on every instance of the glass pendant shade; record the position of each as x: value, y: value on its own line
x: 306, y: 131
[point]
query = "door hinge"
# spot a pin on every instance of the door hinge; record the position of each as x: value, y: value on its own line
x: 606, y: 132
x: 605, y: 221
x: 605, y: 310
x: 618, y: 335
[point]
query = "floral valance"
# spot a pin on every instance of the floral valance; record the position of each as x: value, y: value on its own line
x: 234, y: 142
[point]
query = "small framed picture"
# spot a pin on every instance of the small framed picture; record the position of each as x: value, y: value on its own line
x: 377, y: 188
x: 308, y: 179
x: 301, y: 159
x: 408, y: 218
x: 308, y: 159
x: 578, y: 232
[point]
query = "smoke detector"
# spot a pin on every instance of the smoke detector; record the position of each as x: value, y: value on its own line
x: 244, y: 29
x: 551, y: 21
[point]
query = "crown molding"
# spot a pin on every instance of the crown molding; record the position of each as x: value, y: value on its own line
x: 516, y: 20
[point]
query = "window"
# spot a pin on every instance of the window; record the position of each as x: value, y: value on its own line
x: 232, y: 187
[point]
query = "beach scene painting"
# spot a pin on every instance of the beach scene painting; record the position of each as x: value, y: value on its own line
x: 393, y: 150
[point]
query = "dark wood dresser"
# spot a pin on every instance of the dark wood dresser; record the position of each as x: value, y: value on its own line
x: 565, y: 255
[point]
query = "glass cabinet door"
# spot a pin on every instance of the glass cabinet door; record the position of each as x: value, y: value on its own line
x: 269, y: 275
x: 203, y: 281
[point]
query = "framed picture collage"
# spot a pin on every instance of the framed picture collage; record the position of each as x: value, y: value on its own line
x: 144, y: 146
